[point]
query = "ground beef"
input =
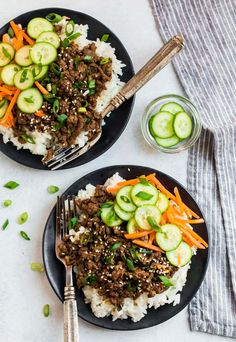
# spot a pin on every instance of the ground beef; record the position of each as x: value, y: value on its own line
x: 108, y: 270
x: 82, y: 78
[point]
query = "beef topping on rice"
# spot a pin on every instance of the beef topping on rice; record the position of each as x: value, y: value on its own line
x: 107, y: 261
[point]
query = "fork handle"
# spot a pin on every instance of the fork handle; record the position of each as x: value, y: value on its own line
x: 150, y: 69
x: 71, y: 327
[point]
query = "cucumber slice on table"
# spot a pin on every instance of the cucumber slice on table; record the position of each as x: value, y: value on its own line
x: 38, y: 25
x: 162, y: 125
x: 109, y: 216
x: 39, y: 71
x: 6, y: 53
x: 49, y: 37
x: 167, y: 142
x: 24, y: 79
x: 162, y: 202
x: 22, y: 56
x: 143, y: 213
x: 132, y: 226
x: 30, y: 100
x: 3, y: 107
x: 43, y: 53
x: 172, y: 107
x: 144, y: 194
x: 169, y: 237
x: 123, y: 199
x: 181, y: 255
x: 8, y: 73
x: 183, y: 125
x: 124, y: 215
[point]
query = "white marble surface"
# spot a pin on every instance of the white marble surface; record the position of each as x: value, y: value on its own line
x: 23, y: 292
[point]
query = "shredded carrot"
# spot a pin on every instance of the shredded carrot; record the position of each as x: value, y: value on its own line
x: 189, y: 242
x: 176, y: 210
x: 39, y: 113
x: 5, y: 38
x: 138, y: 234
x: 163, y: 189
x: 179, y: 259
x: 196, y: 221
x: 15, y: 44
x: 163, y: 219
x: 6, y: 90
x: 129, y: 182
x: 193, y: 240
x: 151, y: 238
x: 195, y: 235
x: 15, y: 28
x: 20, y: 39
x: 147, y: 245
x: 41, y: 88
x: 8, y: 115
x: 178, y: 199
x: 28, y: 39
x: 8, y: 97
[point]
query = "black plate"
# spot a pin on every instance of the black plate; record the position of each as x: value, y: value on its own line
x: 55, y: 270
x: 115, y: 124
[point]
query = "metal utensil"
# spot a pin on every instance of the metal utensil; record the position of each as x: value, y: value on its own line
x: 150, y: 69
x: 63, y: 217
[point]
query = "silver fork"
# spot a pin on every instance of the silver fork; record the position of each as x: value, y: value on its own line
x: 150, y: 69
x: 63, y: 217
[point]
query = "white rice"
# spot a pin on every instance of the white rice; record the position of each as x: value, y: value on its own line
x: 136, y: 309
x: 104, y: 49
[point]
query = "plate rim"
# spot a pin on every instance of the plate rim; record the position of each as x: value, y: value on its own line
x: 131, y: 100
x: 90, y: 174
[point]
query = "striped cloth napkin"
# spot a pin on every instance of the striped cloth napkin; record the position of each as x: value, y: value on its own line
x: 207, y: 71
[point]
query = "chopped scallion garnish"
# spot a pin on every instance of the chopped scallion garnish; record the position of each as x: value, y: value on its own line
x: 6, y: 203
x: 11, y: 185
x: 54, y: 17
x: 36, y: 266
x: 105, y: 37
x: 24, y: 235
x: 88, y: 58
x: 23, y: 218
x: 82, y: 110
x: 70, y: 26
x: 92, y: 84
x: 46, y: 310
x: 5, y: 224
x: 52, y: 189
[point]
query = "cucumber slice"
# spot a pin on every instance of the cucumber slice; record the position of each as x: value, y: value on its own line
x: 142, y: 213
x: 3, y: 107
x: 144, y: 194
x: 169, y: 238
x: 132, y: 226
x: 181, y: 255
x: 183, y: 125
x: 39, y: 71
x: 49, y: 37
x: 123, y: 199
x: 38, y: 25
x: 43, y: 53
x: 124, y: 215
x: 162, y: 125
x: 6, y: 53
x: 30, y: 100
x: 172, y: 107
x: 24, y: 79
x: 150, y: 126
x: 167, y: 142
x: 8, y: 73
x: 22, y: 56
x: 162, y: 202
x: 109, y: 217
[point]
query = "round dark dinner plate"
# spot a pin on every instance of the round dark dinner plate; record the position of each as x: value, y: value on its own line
x: 115, y: 124
x: 55, y: 269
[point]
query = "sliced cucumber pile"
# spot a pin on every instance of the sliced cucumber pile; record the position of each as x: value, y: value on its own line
x: 169, y: 237
x: 22, y: 56
x: 6, y: 54
x: 49, y: 37
x: 30, y: 100
x: 170, y: 125
x: 24, y: 79
x: 8, y: 73
x: 38, y: 25
x: 180, y: 256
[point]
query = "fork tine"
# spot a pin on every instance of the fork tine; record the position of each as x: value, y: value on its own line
x: 69, y: 210
x: 64, y: 228
x: 58, y: 219
x: 74, y: 206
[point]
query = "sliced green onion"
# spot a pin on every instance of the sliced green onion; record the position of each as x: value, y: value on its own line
x: 82, y: 110
x: 105, y: 37
x: 28, y: 138
x: 36, y: 266
x: 107, y: 205
x: 52, y: 189
x: 70, y: 26
x: 85, y: 104
x: 65, y: 43
x: 23, y: 218
x: 46, y: 310
x: 29, y: 99
x: 11, y: 185
x: 6, y: 53
x: 132, y: 286
x: 23, y: 77
x: 36, y: 70
x: 88, y: 58
x: 76, y: 62
x: 24, y: 235
x: 6, y: 203
x: 72, y: 223
x: 62, y: 118
x: 129, y: 264
x: 144, y: 195
x: 50, y: 98
x: 5, y: 224
x: 54, y: 17
x: 166, y: 281
x: 105, y: 61
x: 11, y: 32
x: 56, y: 106
x: 74, y: 36
x: 90, y: 280
x: 55, y: 69
x: 92, y: 84
x: 91, y: 92
x: 125, y: 199
x: 143, y: 181
x: 115, y: 246
x: 54, y: 89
